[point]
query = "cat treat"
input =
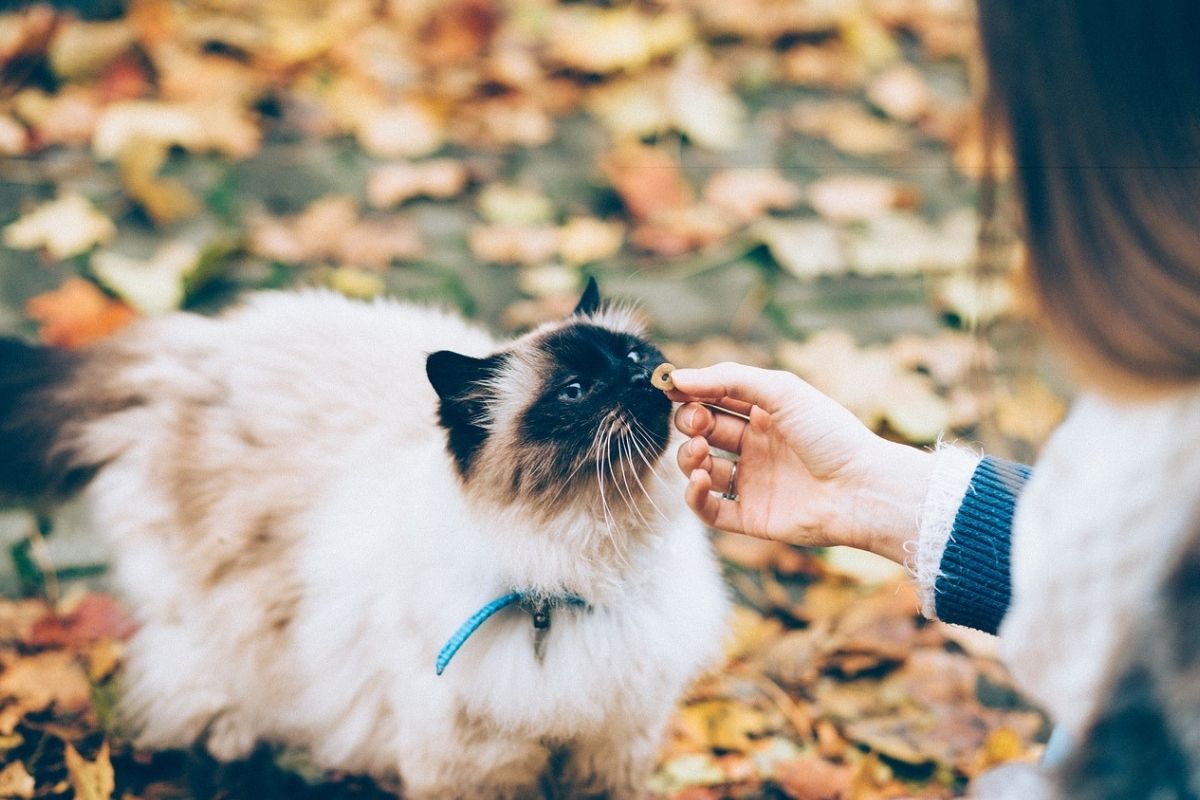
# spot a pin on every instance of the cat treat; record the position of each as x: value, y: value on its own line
x: 661, y: 379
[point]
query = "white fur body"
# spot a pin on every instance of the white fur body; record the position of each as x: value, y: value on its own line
x: 299, y: 551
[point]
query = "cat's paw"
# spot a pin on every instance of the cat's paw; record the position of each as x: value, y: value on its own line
x: 230, y: 737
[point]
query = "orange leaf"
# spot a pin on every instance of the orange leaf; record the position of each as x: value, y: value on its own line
x: 77, y: 313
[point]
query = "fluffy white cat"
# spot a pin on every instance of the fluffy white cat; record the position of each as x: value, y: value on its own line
x: 305, y: 506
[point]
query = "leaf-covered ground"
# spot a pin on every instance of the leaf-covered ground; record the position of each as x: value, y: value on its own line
x: 788, y: 183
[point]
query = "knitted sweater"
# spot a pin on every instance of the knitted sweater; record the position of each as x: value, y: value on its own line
x: 1070, y: 555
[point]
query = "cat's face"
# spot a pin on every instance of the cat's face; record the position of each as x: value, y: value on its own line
x: 566, y: 413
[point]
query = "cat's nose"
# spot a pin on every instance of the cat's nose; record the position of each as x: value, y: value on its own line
x: 639, y: 377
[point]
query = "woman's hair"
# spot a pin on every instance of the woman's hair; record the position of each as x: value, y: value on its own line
x: 1100, y: 100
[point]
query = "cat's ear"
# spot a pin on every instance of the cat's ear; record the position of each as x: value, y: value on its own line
x: 590, y: 300
x: 454, y: 375
x: 461, y: 384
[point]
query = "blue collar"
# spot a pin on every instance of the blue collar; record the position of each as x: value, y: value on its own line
x: 537, y: 605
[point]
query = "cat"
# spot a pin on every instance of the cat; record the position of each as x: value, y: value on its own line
x: 306, y: 498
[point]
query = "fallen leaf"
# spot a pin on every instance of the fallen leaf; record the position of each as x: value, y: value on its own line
x: 200, y: 128
x: 508, y: 204
x: 723, y: 724
x: 830, y: 65
x: 648, y: 179
x: 152, y: 286
x: 1029, y: 411
x: 439, y: 178
x: 901, y: 92
x: 34, y: 683
x: 65, y: 227
x: 13, y: 138
x: 855, y: 197
x: 91, y: 780
x: 77, y: 313
x: 514, y: 244
x: 356, y: 282
x: 702, y: 108
x: 15, y: 781
x: 602, y: 40
x: 813, y: 778
x: 584, y: 240
x: 95, y: 617
x: 850, y: 128
x: 406, y: 129
x: 82, y: 50
x: 749, y: 192
x: 804, y: 247
x: 165, y: 200
x: 976, y: 300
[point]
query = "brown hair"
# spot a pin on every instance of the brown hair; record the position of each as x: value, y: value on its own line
x: 1100, y: 100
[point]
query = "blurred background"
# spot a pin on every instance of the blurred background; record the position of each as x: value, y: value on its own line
x: 803, y: 184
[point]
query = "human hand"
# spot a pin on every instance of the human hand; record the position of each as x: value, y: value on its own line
x: 808, y: 472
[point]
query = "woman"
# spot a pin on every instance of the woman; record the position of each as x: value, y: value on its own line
x: 1101, y: 102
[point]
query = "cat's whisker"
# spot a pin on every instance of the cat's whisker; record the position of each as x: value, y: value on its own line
x: 642, y: 455
x: 627, y: 466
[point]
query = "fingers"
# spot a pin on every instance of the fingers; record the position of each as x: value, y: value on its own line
x: 721, y: 430
x: 695, y: 454
x: 770, y: 389
x: 712, y: 509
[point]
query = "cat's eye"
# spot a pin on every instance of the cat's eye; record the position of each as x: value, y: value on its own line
x: 572, y: 391
x: 635, y: 356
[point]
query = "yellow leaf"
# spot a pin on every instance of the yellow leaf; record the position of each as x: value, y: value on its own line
x: 91, y: 780
x: 15, y: 781
x: 725, y: 724
x: 152, y: 286
x: 65, y: 227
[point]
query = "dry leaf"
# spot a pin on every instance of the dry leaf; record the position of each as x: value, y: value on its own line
x: 722, y: 724
x: 65, y: 227
x: 830, y: 65
x: 514, y: 244
x: 77, y: 314
x: 854, y: 197
x: 976, y: 300
x: 849, y: 127
x: 152, y: 286
x: 648, y: 180
x: 13, y: 139
x: 749, y: 192
x: 813, y: 778
x: 91, y: 780
x: 404, y: 130
x: 165, y: 200
x: 36, y: 682
x: 584, y: 240
x: 602, y: 40
x: 507, y: 204
x: 83, y: 49
x: 702, y: 108
x: 196, y: 127
x: 804, y: 247
x: 95, y: 617
x: 900, y: 92
x: 356, y: 282
x: 15, y: 781
x: 1029, y: 411
x: 392, y: 184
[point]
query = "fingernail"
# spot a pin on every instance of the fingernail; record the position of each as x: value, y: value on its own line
x: 687, y: 417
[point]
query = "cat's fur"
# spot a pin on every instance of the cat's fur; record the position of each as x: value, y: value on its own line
x: 300, y: 522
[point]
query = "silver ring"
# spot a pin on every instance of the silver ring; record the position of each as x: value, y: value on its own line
x: 731, y: 492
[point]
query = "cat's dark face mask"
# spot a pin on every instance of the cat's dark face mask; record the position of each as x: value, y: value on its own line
x: 592, y: 423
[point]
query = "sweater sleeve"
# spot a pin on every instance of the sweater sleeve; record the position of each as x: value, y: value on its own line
x: 973, y: 585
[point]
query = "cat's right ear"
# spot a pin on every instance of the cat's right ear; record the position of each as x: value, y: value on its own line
x: 454, y: 375
x: 461, y: 384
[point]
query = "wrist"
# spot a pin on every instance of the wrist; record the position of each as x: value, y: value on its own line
x: 887, y: 499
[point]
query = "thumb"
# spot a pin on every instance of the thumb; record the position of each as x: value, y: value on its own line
x: 771, y: 390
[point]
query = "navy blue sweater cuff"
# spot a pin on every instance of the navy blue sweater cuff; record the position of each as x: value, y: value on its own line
x: 975, y: 584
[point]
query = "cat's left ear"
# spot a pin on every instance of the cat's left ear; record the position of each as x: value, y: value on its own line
x: 590, y: 300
